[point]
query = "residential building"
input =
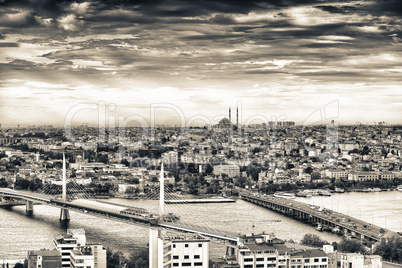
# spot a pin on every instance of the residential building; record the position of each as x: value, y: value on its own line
x: 230, y: 170
x: 352, y: 260
x: 363, y: 176
x: 44, y: 259
x: 88, y: 256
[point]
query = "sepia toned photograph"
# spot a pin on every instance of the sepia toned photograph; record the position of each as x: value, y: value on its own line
x: 214, y: 133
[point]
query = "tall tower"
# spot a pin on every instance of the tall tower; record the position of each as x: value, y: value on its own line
x: 230, y: 116
x: 64, y: 214
x: 161, y: 194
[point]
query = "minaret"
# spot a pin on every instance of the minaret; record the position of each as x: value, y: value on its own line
x: 162, y: 194
x: 237, y: 117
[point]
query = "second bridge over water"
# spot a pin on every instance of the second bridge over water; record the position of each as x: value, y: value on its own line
x: 323, y: 218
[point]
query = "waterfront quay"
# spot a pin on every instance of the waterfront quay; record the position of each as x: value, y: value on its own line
x: 322, y: 218
x: 195, y: 201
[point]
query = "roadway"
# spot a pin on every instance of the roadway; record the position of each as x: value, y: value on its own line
x: 316, y: 215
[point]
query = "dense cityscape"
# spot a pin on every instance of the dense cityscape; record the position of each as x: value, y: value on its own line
x: 212, y: 133
x: 225, y: 160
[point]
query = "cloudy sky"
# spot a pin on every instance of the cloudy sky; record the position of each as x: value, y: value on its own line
x: 276, y: 58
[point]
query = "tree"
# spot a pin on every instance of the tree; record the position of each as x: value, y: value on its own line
x: 352, y: 246
x: 390, y: 249
x: 3, y: 182
x: 138, y: 259
x: 315, y: 175
x: 115, y: 259
x: 313, y: 241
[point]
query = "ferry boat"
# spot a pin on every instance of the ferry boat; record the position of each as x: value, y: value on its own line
x: 284, y: 195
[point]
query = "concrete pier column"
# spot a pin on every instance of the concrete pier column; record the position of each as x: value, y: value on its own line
x: 29, y: 207
x: 64, y: 214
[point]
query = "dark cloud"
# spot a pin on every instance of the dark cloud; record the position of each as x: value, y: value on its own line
x: 8, y: 44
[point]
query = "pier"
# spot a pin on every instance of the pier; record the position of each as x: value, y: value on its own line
x: 327, y: 219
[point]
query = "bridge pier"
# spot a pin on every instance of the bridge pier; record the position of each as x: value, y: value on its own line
x: 64, y: 214
x: 29, y: 207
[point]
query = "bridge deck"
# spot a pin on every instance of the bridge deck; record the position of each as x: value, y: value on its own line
x: 326, y: 217
x: 119, y: 213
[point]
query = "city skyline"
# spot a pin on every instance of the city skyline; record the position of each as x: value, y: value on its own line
x: 279, y: 59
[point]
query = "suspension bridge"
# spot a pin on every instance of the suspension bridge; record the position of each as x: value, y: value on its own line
x: 75, y: 198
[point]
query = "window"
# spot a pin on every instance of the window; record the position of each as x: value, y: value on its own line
x: 248, y: 259
x: 316, y: 260
x: 271, y: 259
x: 324, y: 259
x: 248, y: 266
x: 175, y: 257
x: 174, y: 245
x: 186, y: 264
x: 186, y: 245
x: 200, y: 245
x: 260, y: 259
x: 196, y: 256
x: 198, y: 264
x: 260, y: 266
x: 306, y: 260
x: 175, y: 264
x: 186, y: 257
x: 271, y: 265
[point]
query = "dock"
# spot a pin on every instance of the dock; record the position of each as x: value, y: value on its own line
x: 196, y: 201
x: 327, y: 219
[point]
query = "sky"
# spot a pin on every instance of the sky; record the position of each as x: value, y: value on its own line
x: 186, y: 62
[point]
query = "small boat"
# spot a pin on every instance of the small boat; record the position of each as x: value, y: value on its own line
x: 324, y: 193
x: 376, y: 190
x: 399, y: 188
x: 303, y: 194
x: 339, y: 190
x: 319, y: 227
x: 284, y: 195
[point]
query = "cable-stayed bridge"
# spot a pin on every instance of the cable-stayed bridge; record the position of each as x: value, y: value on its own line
x: 72, y: 197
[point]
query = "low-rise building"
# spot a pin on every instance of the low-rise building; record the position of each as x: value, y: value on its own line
x: 44, y: 259
x: 230, y: 170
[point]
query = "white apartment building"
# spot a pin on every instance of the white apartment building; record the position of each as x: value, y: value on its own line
x: 168, y: 249
x: 89, y: 256
x: 264, y: 250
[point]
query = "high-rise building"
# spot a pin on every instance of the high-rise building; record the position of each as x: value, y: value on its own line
x: 65, y: 244
x: 44, y: 259
x: 76, y: 252
x: 168, y: 249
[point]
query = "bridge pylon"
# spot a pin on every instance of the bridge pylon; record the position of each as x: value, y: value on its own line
x: 29, y: 207
x: 64, y: 213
